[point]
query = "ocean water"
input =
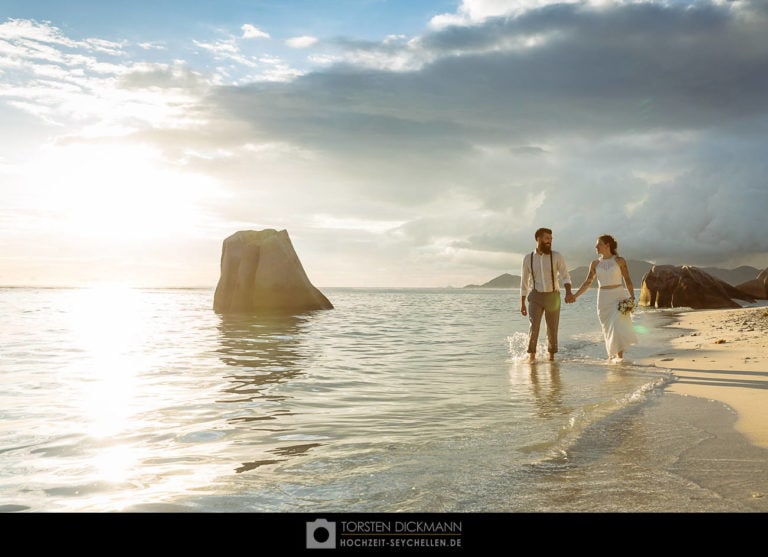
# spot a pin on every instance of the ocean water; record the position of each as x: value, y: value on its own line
x: 397, y: 400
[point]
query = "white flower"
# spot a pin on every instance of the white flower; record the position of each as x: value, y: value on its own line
x: 627, y: 306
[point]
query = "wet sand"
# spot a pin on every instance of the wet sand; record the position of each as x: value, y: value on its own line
x: 722, y: 355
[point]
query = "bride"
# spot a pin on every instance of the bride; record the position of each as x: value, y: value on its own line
x: 615, y: 299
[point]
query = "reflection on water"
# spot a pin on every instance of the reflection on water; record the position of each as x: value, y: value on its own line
x: 281, y: 451
x: 260, y: 342
x: 547, y: 390
x: 398, y: 400
x: 265, y: 351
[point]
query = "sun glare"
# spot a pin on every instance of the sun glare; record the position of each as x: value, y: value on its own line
x: 117, y: 398
x: 118, y: 192
x: 107, y: 328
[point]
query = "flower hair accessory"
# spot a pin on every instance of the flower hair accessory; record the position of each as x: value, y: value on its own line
x: 627, y: 306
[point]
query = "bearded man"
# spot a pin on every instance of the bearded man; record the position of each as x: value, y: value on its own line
x: 541, y: 271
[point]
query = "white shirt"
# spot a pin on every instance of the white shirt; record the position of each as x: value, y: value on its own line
x: 543, y: 269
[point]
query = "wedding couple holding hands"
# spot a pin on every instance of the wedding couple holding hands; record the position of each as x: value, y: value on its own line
x: 543, y: 268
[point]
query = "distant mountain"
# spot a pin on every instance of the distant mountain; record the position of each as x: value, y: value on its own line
x: 733, y: 276
x: 502, y: 281
x: 637, y: 270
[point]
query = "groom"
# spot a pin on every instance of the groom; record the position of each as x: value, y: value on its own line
x: 541, y: 270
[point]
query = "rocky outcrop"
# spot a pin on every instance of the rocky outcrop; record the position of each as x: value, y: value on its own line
x: 757, y: 287
x: 668, y: 286
x: 260, y: 271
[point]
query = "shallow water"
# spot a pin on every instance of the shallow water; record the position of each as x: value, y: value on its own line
x: 396, y: 400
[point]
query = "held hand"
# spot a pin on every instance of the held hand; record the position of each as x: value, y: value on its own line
x: 570, y: 298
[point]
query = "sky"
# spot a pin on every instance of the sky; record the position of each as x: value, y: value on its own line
x: 400, y: 143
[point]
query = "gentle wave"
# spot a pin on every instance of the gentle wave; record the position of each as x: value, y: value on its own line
x: 397, y: 399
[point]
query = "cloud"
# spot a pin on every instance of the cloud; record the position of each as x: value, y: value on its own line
x: 618, y: 103
x: 472, y: 12
x: 301, y: 42
x: 251, y: 32
x: 439, y: 155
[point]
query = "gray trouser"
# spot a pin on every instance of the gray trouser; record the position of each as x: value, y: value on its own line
x: 548, y: 304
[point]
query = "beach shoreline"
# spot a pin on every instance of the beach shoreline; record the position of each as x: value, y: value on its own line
x: 721, y: 355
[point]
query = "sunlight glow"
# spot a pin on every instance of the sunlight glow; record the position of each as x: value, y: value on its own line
x: 114, y: 464
x: 117, y: 192
x: 373, y: 226
x: 108, y: 328
x: 118, y: 398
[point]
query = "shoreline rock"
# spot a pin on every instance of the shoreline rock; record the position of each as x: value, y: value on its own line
x: 669, y: 286
x: 757, y: 287
x: 260, y: 271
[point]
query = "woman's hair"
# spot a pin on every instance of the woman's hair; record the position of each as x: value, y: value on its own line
x: 611, y: 242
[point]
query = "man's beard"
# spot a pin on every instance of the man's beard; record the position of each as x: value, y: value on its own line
x: 545, y: 249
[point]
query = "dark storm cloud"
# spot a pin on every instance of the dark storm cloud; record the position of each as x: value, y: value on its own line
x: 598, y: 71
x: 621, y: 105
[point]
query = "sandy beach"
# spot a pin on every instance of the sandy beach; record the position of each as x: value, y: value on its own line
x: 722, y: 355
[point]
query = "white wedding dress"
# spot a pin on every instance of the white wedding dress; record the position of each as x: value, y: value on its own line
x: 617, y: 328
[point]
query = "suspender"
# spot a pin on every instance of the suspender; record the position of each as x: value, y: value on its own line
x: 551, y: 267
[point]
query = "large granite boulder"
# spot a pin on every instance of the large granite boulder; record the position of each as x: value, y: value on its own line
x: 260, y: 271
x: 669, y: 286
x: 757, y: 287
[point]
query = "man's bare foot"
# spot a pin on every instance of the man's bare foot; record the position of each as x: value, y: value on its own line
x: 551, y: 356
x: 531, y: 357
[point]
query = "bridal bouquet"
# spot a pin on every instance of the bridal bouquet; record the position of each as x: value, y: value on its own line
x: 627, y: 306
